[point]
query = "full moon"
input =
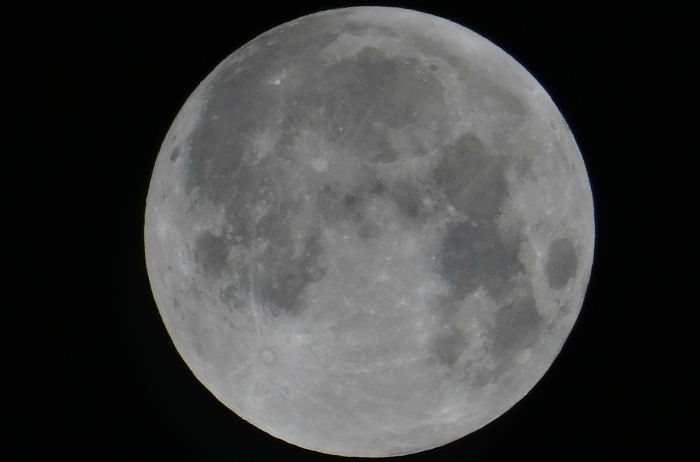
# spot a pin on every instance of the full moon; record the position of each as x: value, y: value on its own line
x: 369, y: 231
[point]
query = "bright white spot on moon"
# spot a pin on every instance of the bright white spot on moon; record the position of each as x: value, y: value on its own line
x: 385, y: 253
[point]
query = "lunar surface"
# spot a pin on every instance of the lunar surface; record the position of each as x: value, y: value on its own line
x: 369, y: 232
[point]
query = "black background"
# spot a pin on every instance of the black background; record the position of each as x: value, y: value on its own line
x: 92, y: 373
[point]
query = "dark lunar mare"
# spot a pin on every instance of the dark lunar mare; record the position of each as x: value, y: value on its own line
x: 351, y: 102
x: 211, y: 252
x: 354, y: 102
x: 562, y: 263
x: 474, y: 254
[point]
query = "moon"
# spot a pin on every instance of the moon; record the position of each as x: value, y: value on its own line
x: 369, y: 232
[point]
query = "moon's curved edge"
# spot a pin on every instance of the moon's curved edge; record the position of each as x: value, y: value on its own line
x: 187, y: 118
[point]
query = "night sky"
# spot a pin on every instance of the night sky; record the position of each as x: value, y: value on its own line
x: 90, y: 370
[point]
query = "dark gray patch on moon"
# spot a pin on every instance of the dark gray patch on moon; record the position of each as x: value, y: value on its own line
x: 378, y: 187
x: 211, y: 252
x: 408, y: 198
x: 237, y: 206
x: 231, y: 296
x: 472, y: 178
x: 218, y: 142
x: 516, y: 327
x: 274, y: 227
x: 175, y: 153
x: 240, y: 101
x: 386, y: 154
x: 561, y: 263
x: 351, y: 202
x: 449, y: 344
x: 364, y: 95
x: 473, y: 255
x: 328, y: 204
x: 283, y: 277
